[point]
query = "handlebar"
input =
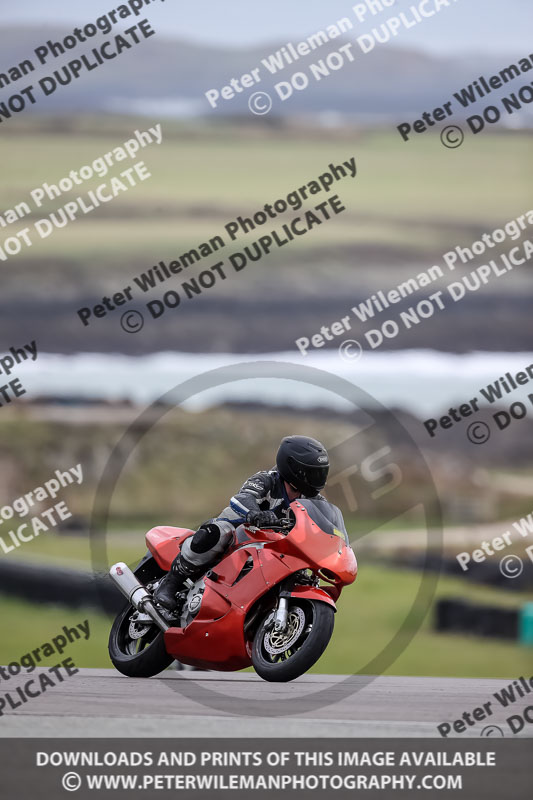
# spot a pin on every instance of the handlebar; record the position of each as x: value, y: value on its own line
x: 282, y: 525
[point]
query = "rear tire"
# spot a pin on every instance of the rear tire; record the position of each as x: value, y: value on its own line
x: 146, y: 662
x: 310, y: 628
x: 146, y: 656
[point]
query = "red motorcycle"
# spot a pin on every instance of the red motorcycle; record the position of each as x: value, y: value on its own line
x: 270, y: 602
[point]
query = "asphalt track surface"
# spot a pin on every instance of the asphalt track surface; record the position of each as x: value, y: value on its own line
x: 102, y: 703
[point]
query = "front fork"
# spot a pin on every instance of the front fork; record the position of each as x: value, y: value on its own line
x: 281, y: 615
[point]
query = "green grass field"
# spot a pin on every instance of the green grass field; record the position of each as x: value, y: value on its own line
x: 370, y: 614
x: 203, y: 178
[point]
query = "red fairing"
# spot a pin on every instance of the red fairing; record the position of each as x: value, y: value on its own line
x: 220, y: 636
x: 314, y: 593
x: 164, y: 543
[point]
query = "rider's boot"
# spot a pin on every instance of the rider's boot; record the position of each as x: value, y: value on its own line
x: 174, y: 581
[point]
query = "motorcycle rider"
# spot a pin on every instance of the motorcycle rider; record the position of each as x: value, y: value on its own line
x: 302, y: 466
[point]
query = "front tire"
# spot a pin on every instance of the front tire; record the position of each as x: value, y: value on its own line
x: 282, y: 657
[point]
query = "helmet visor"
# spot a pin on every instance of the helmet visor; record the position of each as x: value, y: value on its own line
x: 312, y: 477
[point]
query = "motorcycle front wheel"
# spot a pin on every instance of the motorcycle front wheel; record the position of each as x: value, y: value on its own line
x: 285, y: 655
x: 137, y: 650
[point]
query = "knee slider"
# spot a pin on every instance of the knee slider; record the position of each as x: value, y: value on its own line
x: 205, y: 538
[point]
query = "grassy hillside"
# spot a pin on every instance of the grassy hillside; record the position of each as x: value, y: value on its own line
x: 202, y: 178
x: 404, y: 210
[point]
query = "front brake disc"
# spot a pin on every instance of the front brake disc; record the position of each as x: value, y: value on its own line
x: 277, y: 642
x: 137, y: 631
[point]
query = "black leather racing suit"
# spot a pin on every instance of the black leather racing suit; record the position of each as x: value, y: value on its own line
x: 264, y: 491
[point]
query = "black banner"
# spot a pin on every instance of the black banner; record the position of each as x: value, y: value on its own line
x: 306, y: 768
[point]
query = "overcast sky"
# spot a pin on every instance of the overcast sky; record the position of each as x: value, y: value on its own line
x: 469, y: 25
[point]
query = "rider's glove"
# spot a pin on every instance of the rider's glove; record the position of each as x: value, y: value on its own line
x: 262, y: 519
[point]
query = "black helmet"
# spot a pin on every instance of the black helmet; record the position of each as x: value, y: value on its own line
x: 304, y: 463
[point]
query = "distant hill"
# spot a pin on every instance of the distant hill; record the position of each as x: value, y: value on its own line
x: 388, y: 81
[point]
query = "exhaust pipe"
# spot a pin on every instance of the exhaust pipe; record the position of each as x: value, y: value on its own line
x: 136, y: 594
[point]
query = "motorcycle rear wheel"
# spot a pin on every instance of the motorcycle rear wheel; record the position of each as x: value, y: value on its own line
x: 282, y: 657
x: 146, y: 656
